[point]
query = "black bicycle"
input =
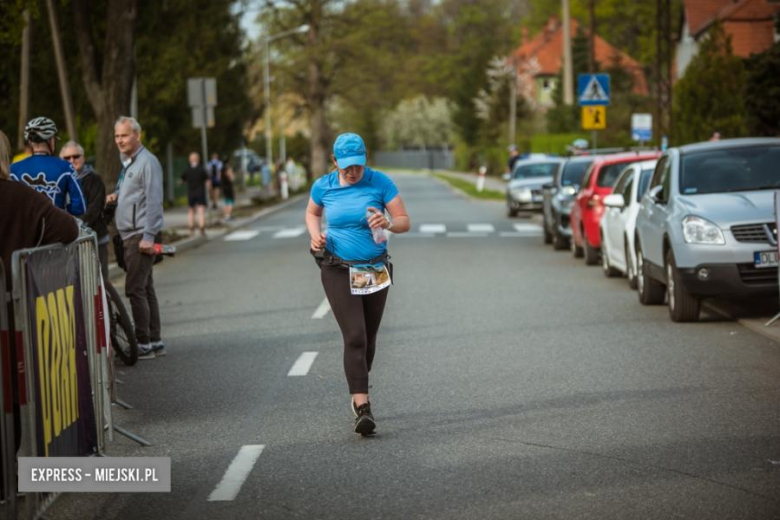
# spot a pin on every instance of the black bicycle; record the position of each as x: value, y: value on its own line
x: 123, y: 339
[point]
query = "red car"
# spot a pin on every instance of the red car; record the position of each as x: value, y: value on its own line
x: 589, y: 206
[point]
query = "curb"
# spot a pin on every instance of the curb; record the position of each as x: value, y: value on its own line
x: 755, y: 325
x: 114, y: 271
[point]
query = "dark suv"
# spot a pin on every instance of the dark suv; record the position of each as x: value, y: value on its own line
x: 558, y: 199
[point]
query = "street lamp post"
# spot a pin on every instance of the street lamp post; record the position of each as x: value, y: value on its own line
x: 269, y: 154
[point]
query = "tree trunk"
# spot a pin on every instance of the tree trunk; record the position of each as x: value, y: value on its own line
x: 319, y: 141
x: 109, y: 93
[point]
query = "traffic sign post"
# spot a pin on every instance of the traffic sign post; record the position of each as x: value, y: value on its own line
x: 202, y: 98
x: 642, y: 127
x: 593, y: 93
x: 594, y: 118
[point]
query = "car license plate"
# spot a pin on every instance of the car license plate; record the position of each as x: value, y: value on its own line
x: 765, y: 258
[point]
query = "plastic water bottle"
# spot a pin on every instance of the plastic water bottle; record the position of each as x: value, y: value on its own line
x: 379, y: 233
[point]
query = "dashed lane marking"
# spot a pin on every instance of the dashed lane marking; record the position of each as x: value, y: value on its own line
x: 480, y: 228
x: 236, y: 474
x: 322, y: 310
x: 433, y: 228
x: 302, y: 365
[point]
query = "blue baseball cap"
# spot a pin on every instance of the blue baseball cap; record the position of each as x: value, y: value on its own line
x: 349, y: 150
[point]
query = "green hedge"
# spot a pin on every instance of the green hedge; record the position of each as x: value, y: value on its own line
x: 555, y: 143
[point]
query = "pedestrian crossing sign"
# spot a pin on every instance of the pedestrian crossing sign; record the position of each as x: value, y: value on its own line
x: 594, y: 118
x: 593, y: 89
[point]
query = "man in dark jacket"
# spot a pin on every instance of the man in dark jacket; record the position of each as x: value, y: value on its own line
x: 94, y: 190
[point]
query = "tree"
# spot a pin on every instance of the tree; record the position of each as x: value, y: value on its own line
x: 108, y: 71
x: 709, y: 98
x: 418, y: 122
x: 762, y: 93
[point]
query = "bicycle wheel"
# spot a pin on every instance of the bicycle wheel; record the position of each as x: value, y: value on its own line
x: 123, y: 339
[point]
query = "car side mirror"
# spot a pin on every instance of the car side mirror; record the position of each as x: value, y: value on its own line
x: 506, y: 176
x: 548, y: 186
x: 656, y: 194
x: 614, y: 200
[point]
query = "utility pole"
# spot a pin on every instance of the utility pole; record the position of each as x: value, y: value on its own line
x: 663, y: 68
x: 512, y: 101
x: 24, y: 75
x: 568, y: 75
x: 592, y: 37
x: 67, y: 101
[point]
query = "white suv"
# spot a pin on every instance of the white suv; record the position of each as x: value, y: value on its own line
x: 706, y: 226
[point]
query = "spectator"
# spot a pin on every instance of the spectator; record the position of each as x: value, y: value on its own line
x: 228, y: 194
x: 94, y: 190
x: 715, y: 136
x: 27, y: 219
x: 215, y: 171
x: 45, y: 173
x: 139, y: 220
x: 514, y: 155
x: 197, y: 180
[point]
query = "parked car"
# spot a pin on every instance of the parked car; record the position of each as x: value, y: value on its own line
x: 706, y: 226
x: 589, y: 205
x: 618, y: 224
x: 524, y: 189
x: 558, y: 197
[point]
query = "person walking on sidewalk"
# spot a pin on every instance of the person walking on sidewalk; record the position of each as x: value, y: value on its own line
x: 228, y: 193
x: 215, y: 172
x: 353, y: 262
x: 139, y: 220
x: 94, y: 190
x: 197, y: 180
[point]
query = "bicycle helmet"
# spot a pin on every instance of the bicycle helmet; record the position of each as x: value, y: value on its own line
x: 40, y: 130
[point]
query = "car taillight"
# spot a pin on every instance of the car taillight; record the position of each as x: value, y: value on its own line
x: 595, y: 201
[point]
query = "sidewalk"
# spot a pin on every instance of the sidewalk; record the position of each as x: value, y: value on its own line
x: 491, y: 183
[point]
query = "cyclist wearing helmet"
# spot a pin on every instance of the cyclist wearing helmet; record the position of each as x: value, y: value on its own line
x: 46, y: 173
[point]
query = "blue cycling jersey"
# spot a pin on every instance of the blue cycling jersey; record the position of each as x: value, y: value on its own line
x: 54, y: 178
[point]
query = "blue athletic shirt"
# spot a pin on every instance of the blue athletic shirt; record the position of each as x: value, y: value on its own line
x: 54, y: 178
x: 348, y: 234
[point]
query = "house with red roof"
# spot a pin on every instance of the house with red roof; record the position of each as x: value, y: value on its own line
x: 539, y: 63
x: 752, y: 25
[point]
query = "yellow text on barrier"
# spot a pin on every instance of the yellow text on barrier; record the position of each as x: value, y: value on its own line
x: 56, y: 327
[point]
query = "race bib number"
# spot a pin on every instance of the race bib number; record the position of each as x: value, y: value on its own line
x: 368, y: 278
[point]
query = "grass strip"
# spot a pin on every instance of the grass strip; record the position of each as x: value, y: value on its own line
x: 470, y: 189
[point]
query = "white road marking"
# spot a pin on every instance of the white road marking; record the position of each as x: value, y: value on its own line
x: 241, y: 235
x: 236, y: 474
x: 462, y: 234
x: 290, y: 232
x: 522, y: 228
x: 480, y: 228
x: 303, y: 364
x: 433, y: 228
x: 322, y: 310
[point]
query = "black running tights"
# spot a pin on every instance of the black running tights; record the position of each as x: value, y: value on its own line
x: 358, y: 318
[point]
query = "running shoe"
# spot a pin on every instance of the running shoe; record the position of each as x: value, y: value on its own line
x: 158, y: 347
x: 145, y: 351
x: 364, y: 422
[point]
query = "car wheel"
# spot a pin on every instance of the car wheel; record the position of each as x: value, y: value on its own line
x: 630, y: 267
x: 575, y: 249
x: 559, y: 241
x: 591, y: 253
x: 650, y: 291
x: 683, y: 306
x: 606, y: 267
x: 511, y: 212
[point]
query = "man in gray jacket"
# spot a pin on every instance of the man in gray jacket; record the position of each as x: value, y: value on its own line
x: 139, y: 219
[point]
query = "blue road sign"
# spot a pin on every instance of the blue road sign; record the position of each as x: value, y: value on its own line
x: 593, y: 89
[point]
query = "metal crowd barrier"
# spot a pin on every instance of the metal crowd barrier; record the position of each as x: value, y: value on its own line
x: 7, y: 442
x: 84, y: 251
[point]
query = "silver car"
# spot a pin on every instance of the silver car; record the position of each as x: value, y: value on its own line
x: 706, y: 226
x: 524, y: 189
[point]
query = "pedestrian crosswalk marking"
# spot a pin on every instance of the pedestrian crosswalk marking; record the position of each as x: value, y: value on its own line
x: 433, y: 228
x: 236, y: 474
x: 290, y: 232
x: 466, y: 234
x: 523, y: 228
x: 241, y: 235
x: 480, y: 228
